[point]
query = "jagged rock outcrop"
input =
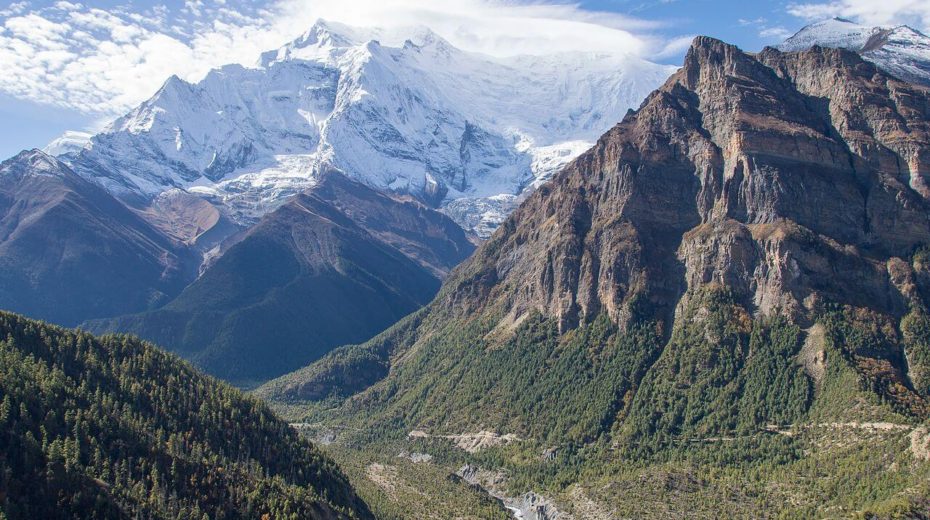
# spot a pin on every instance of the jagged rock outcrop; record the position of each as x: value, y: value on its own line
x: 528, y: 506
x: 787, y: 177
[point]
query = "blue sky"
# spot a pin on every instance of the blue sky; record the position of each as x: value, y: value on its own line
x: 748, y: 23
x: 71, y: 65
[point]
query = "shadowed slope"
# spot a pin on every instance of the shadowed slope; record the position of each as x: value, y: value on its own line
x: 335, y: 265
x: 70, y: 252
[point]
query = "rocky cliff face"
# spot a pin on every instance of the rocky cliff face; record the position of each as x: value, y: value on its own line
x: 735, y: 273
x: 790, y: 178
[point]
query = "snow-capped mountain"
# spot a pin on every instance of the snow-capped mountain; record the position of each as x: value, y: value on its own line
x: 899, y: 50
x: 404, y: 111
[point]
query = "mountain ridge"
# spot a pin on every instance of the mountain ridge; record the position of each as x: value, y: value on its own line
x: 114, y: 428
x: 71, y: 252
x: 336, y: 264
x: 899, y: 50
x: 421, y: 118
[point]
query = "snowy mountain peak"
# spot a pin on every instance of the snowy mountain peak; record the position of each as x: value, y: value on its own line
x: 328, y: 41
x: 31, y: 163
x: 326, y: 33
x: 835, y: 32
x: 902, y: 35
x: 901, y: 50
x: 401, y: 109
x: 319, y: 43
x: 174, y: 87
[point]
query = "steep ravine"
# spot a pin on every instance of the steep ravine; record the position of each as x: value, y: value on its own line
x: 528, y: 506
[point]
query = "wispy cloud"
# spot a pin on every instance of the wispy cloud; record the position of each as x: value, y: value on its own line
x: 674, y: 47
x: 868, y: 12
x: 766, y: 31
x: 106, y: 61
x: 14, y: 9
x: 758, y: 21
x: 777, y: 33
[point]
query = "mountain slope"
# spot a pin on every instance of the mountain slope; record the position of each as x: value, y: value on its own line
x: 114, y: 428
x: 406, y: 112
x: 724, y: 276
x: 901, y: 50
x: 69, y: 251
x: 335, y: 265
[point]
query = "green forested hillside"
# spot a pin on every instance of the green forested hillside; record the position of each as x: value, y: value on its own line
x: 726, y: 416
x: 114, y: 428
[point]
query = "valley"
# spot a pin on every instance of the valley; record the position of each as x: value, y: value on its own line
x: 637, y: 326
x: 374, y: 275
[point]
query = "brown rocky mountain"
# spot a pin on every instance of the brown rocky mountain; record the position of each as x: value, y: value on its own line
x: 188, y: 219
x: 789, y: 178
x: 70, y: 252
x: 720, y: 309
x: 335, y: 265
x: 793, y: 181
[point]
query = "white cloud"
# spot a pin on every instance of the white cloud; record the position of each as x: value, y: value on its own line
x: 67, y: 6
x: 777, y: 33
x: 674, y: 47
x: 758, y: 21
x: 766, y: 31
x: 104, y: 62
x: 14, y: 9
x: 915, y: 13
x: 490, y: 27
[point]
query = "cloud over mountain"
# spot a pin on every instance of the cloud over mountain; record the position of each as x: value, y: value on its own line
x: 106, y: 61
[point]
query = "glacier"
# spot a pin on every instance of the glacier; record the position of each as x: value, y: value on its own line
x: 401, y: 110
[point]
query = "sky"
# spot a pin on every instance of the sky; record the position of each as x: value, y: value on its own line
x: 75, y: 65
